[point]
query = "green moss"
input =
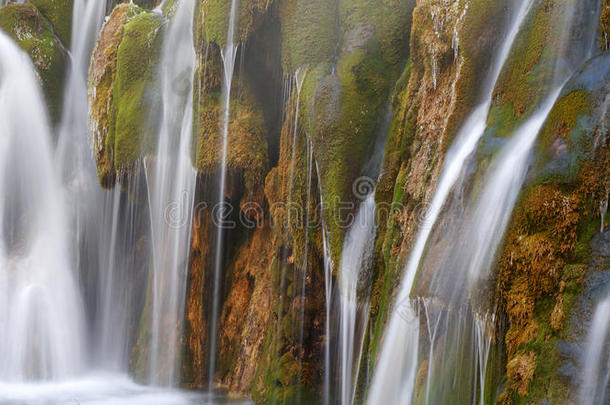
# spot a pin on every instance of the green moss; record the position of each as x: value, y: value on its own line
x: 519, y: 84
x: 247, y: 147
x: 149, y: 4
x: 34, y: 34
x: 567, y: 124
x: 133, y: 96
x: 218, y: 13
x: 102, y: 76
x: 348, y: 110
x: 528, y: 71
x: 548, y: 248
x: 400, y: 136
x: 59, y: 14
x: 309, y: 33
x: 604, y: 26
x: 388, y: 261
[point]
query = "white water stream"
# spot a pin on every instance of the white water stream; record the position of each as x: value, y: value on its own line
x: 596, y: 374
x: 41, y: 322
x: 171, y: 185
x: 356, y: 257
x: 229, y: 54
x: 394, y: 376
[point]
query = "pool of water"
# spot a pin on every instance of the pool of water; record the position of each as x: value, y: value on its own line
x: 102, y: 389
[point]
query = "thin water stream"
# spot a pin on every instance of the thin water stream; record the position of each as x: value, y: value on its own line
x: 171, y: 184
x: 229, y: 54
x: 394, y: 377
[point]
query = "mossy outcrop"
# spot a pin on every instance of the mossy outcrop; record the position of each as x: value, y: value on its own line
x: 148, y: 4
x: 218, y: 12
x: 346, y: 90
x: 121, y: 86
x: 290, y: 370
x: 604, y: 27
x: 137, y: 59
x: 356, y: 60
x: 246, y: 144
x: 551, y: 31
x: 547, y: 253
x: 451, y: 44
x: 309, y: 33
x: 59, y: 14
x: 35, y: 35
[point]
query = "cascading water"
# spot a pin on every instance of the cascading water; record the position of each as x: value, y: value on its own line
x: 394, y: 378
x: 229, y: 53
x: 304, y: 264
x: 42, y: 325
x: 596, y: 375
x: 93, y: 281
x: 495, y: 205
x: 356, y: 257
x: 171, y: 183
x: 81, y: 188
x: 328, y: 288
x: 471, y: 243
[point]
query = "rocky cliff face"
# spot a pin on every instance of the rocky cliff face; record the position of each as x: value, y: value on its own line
x: 450, y: 48
x: 550, y: 251
x: 319, y: 84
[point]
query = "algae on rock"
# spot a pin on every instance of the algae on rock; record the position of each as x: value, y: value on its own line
x: 59, y: 14
x: 547, y: 251
x: 34, y: 34
x: 122, y: 90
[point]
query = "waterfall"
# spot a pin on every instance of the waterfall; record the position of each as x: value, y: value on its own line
x: 394, y: 378
x: 115, y: 306
x: 356, y: 257
x: 171, y: 183
x: 499, y: 196
x: 41, y: 322
x: 90, y: 205
x: 328, y: 292
x: 299, y: 79
x: 305, y: 263
x: 229, y: 54
x: 596, y: 373
x: 73, y: 154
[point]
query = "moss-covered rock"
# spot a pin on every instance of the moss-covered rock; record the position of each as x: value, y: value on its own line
x: 546, y: 254
x: 121, y: 89
x: 34, y: 34
x: 344, y: 109
x: 451, y: 45
x: 246, y: 147
x: 291, y: 368
x: 217, y: 15
x: 552, y: 31
x: 148, y: 4
x: 59, y: 14
x: 134, y: 97
x: 102, y: 76
x: 309, y: 33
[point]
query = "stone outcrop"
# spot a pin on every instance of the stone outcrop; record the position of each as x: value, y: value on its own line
x: 31, y: 28
x: 548, y: 254
x: 408, y: 70
x: 122, y: 94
